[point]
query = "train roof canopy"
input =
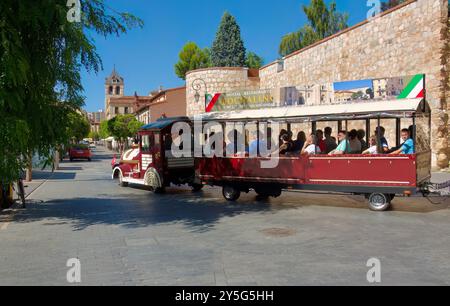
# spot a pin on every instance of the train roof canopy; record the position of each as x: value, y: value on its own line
x: 163, y: 123
x: 361, y: 109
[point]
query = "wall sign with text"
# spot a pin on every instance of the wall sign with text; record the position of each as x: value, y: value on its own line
x: 239, y: 100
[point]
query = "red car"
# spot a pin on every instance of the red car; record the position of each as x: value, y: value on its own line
x: 80, y: 152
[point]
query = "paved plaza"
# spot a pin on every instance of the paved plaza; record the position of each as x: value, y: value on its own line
x: 130, y: 236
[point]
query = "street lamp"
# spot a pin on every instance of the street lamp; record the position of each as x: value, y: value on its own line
x: 197, y: 86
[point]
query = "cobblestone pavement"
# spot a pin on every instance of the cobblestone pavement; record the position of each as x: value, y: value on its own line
x: 129, y: 236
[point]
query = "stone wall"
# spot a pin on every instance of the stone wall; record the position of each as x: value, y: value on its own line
x: 218, y: 80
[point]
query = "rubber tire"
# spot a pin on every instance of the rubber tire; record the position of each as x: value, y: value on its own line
x: 264, y: 194
x: 121, y: 182
x: 197, y: 187
x: 261, y: 195
x: 231, y: 193
x: 159, y: 190
x: 89, y: 159
x: 379, y: 201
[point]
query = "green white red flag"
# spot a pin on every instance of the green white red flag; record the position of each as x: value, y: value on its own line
x: 415, y: 88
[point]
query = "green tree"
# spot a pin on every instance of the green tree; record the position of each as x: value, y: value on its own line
x: 323, y: 21
x: 94, y: 135
x: 78, y: 127
x: 191, y: 57
x: 123, y: 127
x: 386, y: 5
x: 370, y: 93
x: 252, y: 60
x: 358, y: 95
x: 103, y: 130
x: 41, y: 55
x: 228, y: 48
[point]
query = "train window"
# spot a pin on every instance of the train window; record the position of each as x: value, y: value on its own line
x: 146, y: 145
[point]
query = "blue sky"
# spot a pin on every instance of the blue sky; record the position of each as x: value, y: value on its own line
x: 353, y: 85
x: 145, y: 57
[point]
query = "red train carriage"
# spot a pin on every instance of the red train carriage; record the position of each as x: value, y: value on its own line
x: 379, y: 177
x: 151, y: 163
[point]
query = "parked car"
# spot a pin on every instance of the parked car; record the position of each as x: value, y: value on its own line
x: 80, y: 151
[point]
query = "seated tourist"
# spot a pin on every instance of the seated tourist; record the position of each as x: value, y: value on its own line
x: 361, y: 136
x: 320, y: 141
x: 330, y: 142
x: 299, y: 142
x: 344, y: 146
x: 355, y: 144
x: 373, y: 146
x: 231, y: 147
x: 408, y: 144
x: 379, y: 132
x: 310, y: 147
x: 282, y: 132
x: 286, y: 145
x: 256, y: 144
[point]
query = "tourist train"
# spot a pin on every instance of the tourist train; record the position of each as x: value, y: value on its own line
x: 154, y: 163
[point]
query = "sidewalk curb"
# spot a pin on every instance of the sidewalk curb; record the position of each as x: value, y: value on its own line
x: 39, y: 186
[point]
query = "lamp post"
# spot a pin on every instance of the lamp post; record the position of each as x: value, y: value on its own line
x: 197, y: 86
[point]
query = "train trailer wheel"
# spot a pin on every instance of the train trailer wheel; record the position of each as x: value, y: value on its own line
x: 379, y: 201
x: 267, y: 192
x: 159, y: 190
x: 197, y: 187
x: 231, y: 193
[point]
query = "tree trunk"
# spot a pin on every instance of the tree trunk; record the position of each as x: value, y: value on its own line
x: 56, y: 159
x: 29, y: 172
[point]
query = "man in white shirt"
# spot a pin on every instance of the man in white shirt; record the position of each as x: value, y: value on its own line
x: 311, y: 147
x: 373, y: 147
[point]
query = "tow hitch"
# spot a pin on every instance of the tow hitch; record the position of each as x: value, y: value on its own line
x: 430, y: 190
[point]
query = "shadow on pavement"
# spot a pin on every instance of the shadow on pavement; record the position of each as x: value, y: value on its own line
x: 193, y: 211
x: 70, y: 168
x: 199, y: 212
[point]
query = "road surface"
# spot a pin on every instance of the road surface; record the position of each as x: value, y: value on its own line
x: 130, y: 236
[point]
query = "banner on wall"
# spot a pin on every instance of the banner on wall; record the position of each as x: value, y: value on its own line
x: 254, y: 99
x: 406, y: 87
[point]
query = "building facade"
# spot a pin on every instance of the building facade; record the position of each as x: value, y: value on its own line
x: 116, y: 103
x: 95, y: 118
x: 164, y: 103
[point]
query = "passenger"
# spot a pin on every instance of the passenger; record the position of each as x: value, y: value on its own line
x: 408, y: 144
x: 355, y: 144
x: 300, y: 142
x: 383, y: 141
x: 286, y: 145
x: 255, y: 144
x: 373, y: 149
x: 310, y: 147
x: 231, y: 148
x: 330, y: 142
x: 361, y: 136
x: 320, y: 141
x: 344, y: 146
x: 282, y: 132
x: 241, y: 144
